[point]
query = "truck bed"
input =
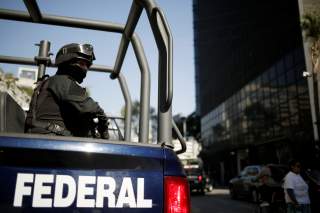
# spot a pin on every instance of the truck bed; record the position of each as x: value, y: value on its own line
x: 63, y: 174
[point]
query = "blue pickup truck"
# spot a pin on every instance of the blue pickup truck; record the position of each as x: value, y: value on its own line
x: 41, y: 173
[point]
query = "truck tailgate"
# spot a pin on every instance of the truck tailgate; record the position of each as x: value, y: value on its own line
x: 64, y: 175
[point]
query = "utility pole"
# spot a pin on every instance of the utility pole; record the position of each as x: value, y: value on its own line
x: 310, y: 75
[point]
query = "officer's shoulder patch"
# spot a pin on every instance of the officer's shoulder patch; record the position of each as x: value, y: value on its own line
x: 76, y: 90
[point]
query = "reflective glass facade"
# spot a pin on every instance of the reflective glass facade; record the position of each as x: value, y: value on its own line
x: 251, y: 95
x: 235, y: 41
x: 272, y: 106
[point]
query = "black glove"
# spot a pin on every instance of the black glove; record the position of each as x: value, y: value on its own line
x: 103, y: 128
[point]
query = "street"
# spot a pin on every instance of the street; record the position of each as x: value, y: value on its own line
x: 218, y: 201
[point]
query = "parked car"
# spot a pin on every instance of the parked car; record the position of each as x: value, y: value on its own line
x: 250, y: 183
x: 244, y: 185
x: 312, y: 176
x: 209, y: 184
x: 196, y: 178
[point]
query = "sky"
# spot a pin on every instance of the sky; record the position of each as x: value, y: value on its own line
x: 19, y: 39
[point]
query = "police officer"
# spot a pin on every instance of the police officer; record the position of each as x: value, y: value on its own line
x: 59, y: 106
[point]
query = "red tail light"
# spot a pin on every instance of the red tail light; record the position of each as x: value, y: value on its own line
x: 199, y: 178
x: 176, y: 195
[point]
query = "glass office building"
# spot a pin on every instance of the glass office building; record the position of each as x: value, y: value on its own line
x: 251, y: 95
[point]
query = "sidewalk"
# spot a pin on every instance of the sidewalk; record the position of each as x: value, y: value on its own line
x: 219, y: 191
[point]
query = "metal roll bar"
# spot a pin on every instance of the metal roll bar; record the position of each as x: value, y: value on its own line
x: 62, y: 21
x: 160, y: 28
x: 33, y: 10
x: 128, y: 107
x: 102, y: 26
x: 163, y: 39
x: 180, y: 137
x: 43, y: 58
x: 145, y: 86
x: 97, y: 68
x: 133, y: 18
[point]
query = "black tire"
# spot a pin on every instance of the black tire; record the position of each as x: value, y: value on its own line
x: 232, y: 193
x: 254, y: 196
x: 209, y: 188
x: 202, y: 191
x: 257, y: 209
x: 280, y: 208
x: 265, y: 210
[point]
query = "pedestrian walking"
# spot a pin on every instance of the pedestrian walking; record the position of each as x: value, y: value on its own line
x: 296, y: 190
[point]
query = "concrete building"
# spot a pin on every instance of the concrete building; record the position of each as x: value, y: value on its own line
x: 250, y: 92
x: 193, y: 148
x: 8, y: 85
x: 27, y: 77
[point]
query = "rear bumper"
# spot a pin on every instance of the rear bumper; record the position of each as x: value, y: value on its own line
x: 196, y: 185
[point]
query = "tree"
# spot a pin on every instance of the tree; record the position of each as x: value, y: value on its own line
x: 311, y: 26
x: 180, y: 123
x: 193, y: 125
x: 188, y: 126
x: 136, y: 115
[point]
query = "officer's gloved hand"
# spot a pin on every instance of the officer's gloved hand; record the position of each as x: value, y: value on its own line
x: 93, y: 126
x: 103, y: 128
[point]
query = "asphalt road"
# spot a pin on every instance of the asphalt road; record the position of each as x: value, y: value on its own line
x: 219, y: 201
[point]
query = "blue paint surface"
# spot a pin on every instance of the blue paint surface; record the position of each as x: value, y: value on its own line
x: 84, y: 158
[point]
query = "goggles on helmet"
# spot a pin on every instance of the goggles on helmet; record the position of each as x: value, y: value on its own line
x: 75, y: 51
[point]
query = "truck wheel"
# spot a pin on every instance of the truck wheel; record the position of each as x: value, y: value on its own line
x: 202, y: 191
x: 254, y: 195
x: 232, y: 193
x: 210, y: 188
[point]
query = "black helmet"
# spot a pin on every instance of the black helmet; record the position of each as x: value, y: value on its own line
x: 73, y: 51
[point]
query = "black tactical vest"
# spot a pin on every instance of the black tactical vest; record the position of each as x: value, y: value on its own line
x: 44, y: 111
x: 60, y: 106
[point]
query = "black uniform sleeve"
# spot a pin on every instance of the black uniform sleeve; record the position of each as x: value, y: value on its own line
x: 68, y: 91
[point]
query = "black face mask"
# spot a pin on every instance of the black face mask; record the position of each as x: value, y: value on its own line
x: 74, y: 70
x: 80, y: 73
